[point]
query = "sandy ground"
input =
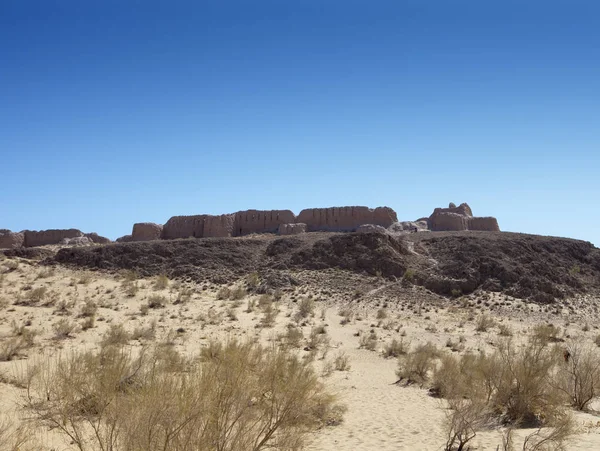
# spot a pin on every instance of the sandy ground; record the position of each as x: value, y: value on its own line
x: 381, y: 415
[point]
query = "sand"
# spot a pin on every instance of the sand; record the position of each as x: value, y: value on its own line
x: 381, y: 415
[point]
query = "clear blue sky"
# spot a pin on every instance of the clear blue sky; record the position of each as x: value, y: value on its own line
x: 115, y: 112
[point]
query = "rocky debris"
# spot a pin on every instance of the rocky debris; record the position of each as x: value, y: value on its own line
x: 460, y: 218
x: 371, y: 228
x: 45, y: 237
x: 409, y: 226
x: 77, y: 241
x: 292, y: 229
x: 98, y: 239
x: 11, y: 240
x: 146, y: 231
x: 345, y: 219
x: 540, y: 269
x: 124, y: 239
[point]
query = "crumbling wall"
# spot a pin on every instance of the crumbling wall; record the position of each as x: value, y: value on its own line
x: 261, y: 221
x: 488, y: 224
x: 146, y: 231
x: 97, y: 238
x: 219, y: 226
x: 184, y: 227
x: 292, y: 229
x: 440, y: 222
x: 345, y: 219
x: 45, y: 237
x: 11, y: 240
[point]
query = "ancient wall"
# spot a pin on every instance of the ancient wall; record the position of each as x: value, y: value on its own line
x: 11, y: 240
x: 53, y: 236
x: 146, y: 231
x: 184, y: 227
x: 463, y: 209
x: 460, y: 218
x: 345, y: 219
x: 292, y: 229
x: 441, y: 221
x: 97, y: 238
x: 488, y: 224
x: 219, y: 226
x: 261, y: 221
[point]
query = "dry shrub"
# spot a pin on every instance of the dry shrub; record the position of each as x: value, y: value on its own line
x: 161, y: 282
x: 547, y: 333
x: 368, y: 341
x: 116, y: 335
x: 293, y: 336
x: 223, y: 293
x: 463, y: 419
x: 578, y: 376
x: 414, y: 367
x: 395, y: 348
x: 14, y: 438
x: 63, y: 328
x: 512, y: 386
x: 157, y: 301
x: 89, y: 309
x: 306, y: 307
x: 341, y: 361
x: 144, y: 332
x: 243, y: 397
x: 484, y: 322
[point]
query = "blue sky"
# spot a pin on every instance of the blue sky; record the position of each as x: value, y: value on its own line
x: 119, y: 112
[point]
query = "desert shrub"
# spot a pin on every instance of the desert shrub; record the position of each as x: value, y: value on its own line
x: 293, y: 336
x: 484, y: 322
x: 14, y: 437
x: 347, y: 316
x: 184, y: 295
x: 63, y: 328
x: 11, y: 348
x: 157, y: 301
x: 341, y: 361
x: 88, y: 323
x: 223, y: 294
x: 547, y: 333
x: 395, y: 348
x: 131, y: 288
x: 270, y: 312
x: 132, y: 403
x: 85, y: 279
x: 409, y: 276
x: 144, y: 332
x: 578, y: 376
x: 368, y: 341
x: 382, y: 313
x: 89, y: 309
x: 37, y: 295
x: 463, y: 419
x: 306, y: 307
x: 318, y: 338
x: 414, y: 367
x: 116, y: 335
x: 130, y: 275
x: 253, y: 280
x: 161, y: 282
x: 238, y: 294
x: 504, y: 330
